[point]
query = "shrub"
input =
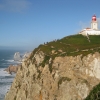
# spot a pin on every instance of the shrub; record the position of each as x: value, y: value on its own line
x: 94, y: 94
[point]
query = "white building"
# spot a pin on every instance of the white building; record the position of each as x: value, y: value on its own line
x: 93, y: 30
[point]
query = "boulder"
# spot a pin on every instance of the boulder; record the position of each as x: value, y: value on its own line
x: 11, y: 69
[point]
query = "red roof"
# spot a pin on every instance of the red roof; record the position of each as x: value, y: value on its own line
x: 94, y: 18
x: 88, y: 28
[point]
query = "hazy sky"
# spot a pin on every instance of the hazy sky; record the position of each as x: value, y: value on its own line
x: 28, y: 23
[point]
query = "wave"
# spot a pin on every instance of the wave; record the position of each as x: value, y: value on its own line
x: 6, y: 75
x: 3, y: 90
x: 2, y: 59
x: 10, y: 60
x: 13, y: 61
x: 3, y: 73
x: 3, y: 63
x: 5, y: 82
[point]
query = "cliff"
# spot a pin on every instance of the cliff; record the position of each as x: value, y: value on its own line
x: 65, y: 69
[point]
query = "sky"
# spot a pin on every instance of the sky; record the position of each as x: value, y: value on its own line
x: 29, y: 23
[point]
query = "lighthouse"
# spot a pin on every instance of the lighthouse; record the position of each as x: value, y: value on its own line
x: 94, y: 24
x: 93, y: 30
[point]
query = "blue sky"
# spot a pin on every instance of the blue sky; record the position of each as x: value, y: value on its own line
x: 28, y: 23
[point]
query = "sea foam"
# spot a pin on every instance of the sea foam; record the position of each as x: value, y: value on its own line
x: 5, y: 82
x: 3, y: 73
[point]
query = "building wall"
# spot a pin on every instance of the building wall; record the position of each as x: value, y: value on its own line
x: 90, y: 33
x: 94, y: 25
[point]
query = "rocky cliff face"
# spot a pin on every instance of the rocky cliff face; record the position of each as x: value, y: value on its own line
x: 61, y: 78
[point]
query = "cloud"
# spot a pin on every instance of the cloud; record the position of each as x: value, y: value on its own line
x: 14, y: 5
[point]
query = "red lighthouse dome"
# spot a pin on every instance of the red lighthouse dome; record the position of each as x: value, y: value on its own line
x: 94, y: 18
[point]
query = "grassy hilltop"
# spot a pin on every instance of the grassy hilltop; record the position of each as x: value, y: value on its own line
x: 71, y: 46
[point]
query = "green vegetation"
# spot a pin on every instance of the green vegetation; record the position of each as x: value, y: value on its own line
x: 62, y: 79
x: 94, y: 94
x: 45, y: 61
x: 68, y: 46
x: 71, y: 46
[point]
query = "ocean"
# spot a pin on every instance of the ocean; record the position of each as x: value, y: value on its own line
x: 6, y: 59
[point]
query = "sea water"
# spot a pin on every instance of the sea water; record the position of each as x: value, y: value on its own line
x: 6, y: 59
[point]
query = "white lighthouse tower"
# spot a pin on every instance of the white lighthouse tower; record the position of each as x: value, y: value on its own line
x: 94, y: 24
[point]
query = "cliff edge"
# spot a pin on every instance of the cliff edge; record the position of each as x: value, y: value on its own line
x: 65, y: 69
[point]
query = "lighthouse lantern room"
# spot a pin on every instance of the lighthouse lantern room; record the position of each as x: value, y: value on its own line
x: 94, y: 24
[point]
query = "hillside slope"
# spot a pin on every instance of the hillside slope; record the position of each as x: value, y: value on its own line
x: 72, y: 45
x: 65, y: 69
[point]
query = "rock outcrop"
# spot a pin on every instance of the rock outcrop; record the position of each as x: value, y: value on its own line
x: 17, y: 56
x: 61, y: 78
x: 12, y: 68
